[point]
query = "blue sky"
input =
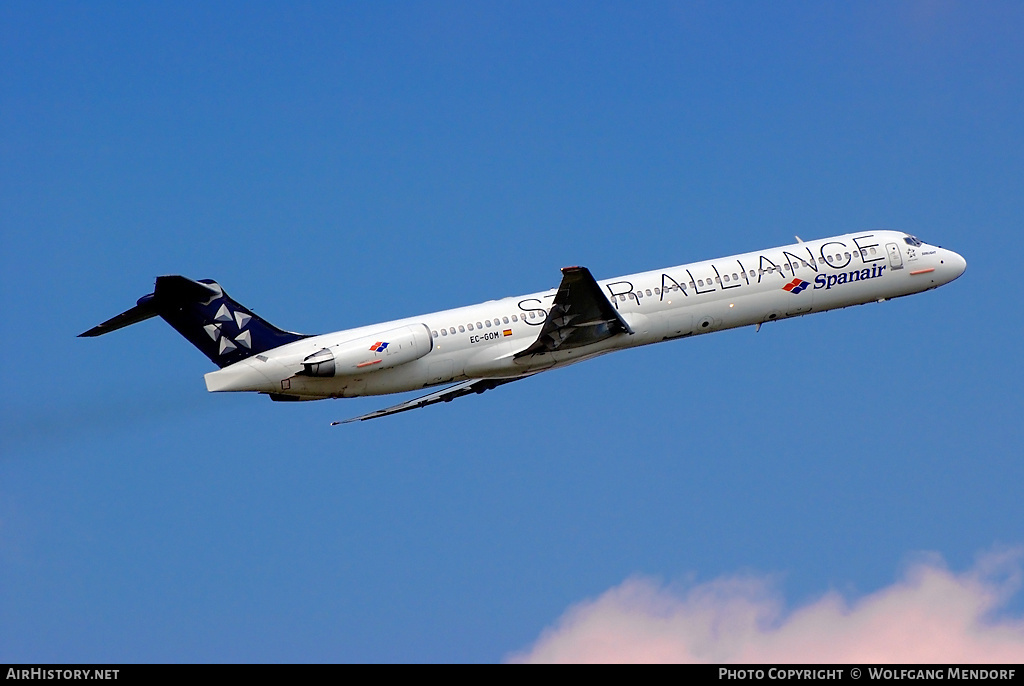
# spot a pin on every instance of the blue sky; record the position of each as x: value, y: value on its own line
x: 334, y: 165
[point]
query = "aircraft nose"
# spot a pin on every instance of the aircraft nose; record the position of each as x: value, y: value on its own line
x: 955, y: 264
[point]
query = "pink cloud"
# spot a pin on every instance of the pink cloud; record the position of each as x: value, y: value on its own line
x: 930, y: 615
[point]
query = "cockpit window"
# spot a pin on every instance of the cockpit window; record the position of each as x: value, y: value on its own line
x: 911, y: 240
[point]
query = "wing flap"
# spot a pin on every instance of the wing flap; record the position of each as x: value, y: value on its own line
x: 580, y: 315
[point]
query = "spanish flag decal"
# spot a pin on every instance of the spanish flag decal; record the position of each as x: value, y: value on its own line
x: 506, y: 332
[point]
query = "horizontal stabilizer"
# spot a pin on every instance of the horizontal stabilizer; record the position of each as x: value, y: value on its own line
x: 170, y: 291
x: 141, y: 312
x: 221, y: 328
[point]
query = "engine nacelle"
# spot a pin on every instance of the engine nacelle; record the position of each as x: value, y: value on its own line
x: 370, y: 353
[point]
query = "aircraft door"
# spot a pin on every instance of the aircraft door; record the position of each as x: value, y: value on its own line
x: 895, y: 259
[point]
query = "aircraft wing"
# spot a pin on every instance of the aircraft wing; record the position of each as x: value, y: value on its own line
x: 443, y: 396
x: 580, y: 315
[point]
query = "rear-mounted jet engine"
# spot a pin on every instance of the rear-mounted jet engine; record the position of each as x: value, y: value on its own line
x: 370, y: 353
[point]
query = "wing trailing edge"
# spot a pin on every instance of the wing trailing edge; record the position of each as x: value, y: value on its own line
x: 443, y: 396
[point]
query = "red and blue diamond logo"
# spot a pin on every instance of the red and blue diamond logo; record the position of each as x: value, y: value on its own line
x: 378, y: 347
x: 796, y: 285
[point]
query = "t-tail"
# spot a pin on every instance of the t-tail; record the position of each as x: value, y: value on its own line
x: 202, y: 312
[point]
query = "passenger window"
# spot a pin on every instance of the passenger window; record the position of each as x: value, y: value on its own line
x: 452, y: 330
x: 700, y: 282
x: 735, y: 278
x: 434, y: 334
x: 657, y: 291
x: 470, y: 326
x: 648, y: 291
x: 487, y: 323
x: 639, y: 294
x: 444, y: 332
x: 462, y: 329
x: 505, y: 319
x: 727, y: 278
x: 479, y: 325
x: 515, y: 318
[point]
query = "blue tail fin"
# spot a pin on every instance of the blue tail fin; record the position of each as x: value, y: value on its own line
x: 202, y: 312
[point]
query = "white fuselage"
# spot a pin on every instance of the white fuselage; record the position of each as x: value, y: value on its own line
x: 480, y: 341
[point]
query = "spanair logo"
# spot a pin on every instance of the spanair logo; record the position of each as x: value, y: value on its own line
x: 796, y: 286
x: 378, y: 347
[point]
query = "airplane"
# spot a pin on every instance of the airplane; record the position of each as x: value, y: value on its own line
x: 481, y: 347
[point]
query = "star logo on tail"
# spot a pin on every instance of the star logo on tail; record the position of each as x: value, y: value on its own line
x: 215, y: 330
